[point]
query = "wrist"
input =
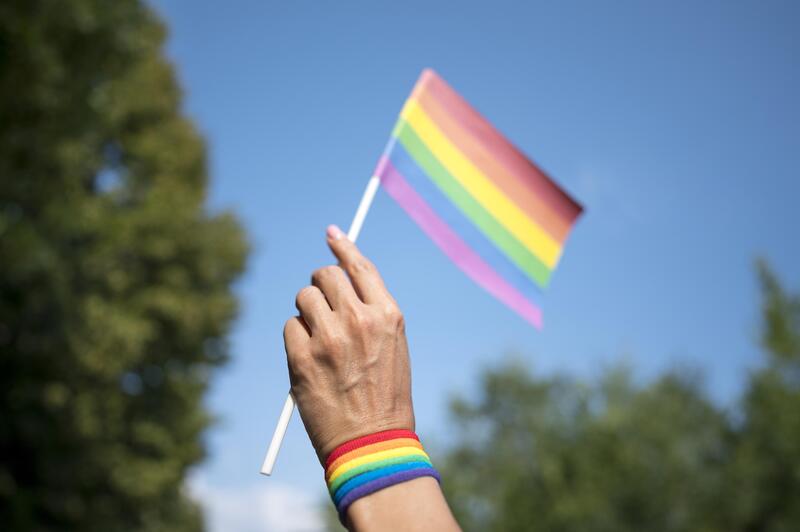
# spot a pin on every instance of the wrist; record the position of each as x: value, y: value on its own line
x: 365, y: 465
x: 352, y: 428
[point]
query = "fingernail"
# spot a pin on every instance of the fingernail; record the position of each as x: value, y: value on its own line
x: 334, y: 232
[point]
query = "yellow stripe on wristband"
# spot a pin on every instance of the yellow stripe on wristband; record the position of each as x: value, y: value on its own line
x: 363, y: 468
x: 370, y: 449
x: 391, y: 453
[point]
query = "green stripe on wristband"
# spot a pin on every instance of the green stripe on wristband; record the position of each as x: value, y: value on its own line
x: 372, y: 466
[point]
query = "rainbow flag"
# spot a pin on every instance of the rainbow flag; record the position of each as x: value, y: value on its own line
x: 489, y: 208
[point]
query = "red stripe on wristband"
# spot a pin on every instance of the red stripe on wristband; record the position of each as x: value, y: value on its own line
x: 368, y: 440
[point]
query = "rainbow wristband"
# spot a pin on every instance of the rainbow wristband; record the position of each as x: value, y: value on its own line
x: 370, y: 463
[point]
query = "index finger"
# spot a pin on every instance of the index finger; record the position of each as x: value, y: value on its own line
x: 363, y: 274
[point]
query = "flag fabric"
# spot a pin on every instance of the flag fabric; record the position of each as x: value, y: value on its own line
x: 490, y: 209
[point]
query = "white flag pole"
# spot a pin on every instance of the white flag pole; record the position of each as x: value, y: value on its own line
x: 288, y: 406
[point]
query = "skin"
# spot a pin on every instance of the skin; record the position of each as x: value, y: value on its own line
x: 350, y: 374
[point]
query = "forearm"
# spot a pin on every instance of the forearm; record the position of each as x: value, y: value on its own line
x: 416, y: 505
x: 350, y: 374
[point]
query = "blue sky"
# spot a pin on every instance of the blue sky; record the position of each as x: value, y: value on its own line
x: 677, y: 125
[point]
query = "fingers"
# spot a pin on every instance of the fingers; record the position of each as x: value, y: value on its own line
x: 296, y: 336
x: 363, y: 274
x: 336, y: 287
x: 297, y: 340
x: 313, y: 307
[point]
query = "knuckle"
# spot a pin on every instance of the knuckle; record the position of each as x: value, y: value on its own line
x: 287, y: 327
x: 392, y: 314
x: 332, y: 269
x: 316, y: 275
x: 295, y: 333
x: 304, y: 294
x: 362, y: 321
x: 324, y: 272
x: 300, y: 361
x: 362, y: 265
x: 333, y: 342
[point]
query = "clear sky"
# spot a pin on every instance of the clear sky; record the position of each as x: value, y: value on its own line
x: 676, y: 124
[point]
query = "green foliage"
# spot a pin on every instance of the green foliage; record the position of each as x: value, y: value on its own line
x: 555, y: 454
x: 766, y: 458
x: 115, y: 282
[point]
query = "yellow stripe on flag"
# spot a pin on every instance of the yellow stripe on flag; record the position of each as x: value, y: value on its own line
x: 528, y: 232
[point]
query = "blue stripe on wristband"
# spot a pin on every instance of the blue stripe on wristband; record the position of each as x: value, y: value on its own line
x: 371, y: 463
x: 381, y: 483
x: 364, y: 478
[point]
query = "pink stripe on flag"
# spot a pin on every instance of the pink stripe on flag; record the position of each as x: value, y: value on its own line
x: 450, y: 243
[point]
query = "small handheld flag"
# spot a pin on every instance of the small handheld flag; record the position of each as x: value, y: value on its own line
x: 483, y: 202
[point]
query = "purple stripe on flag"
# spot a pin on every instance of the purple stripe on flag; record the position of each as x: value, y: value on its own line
x: 452, y: 245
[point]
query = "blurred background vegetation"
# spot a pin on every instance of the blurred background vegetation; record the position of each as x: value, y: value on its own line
x: 115, y: 282
x: 557, y: 454
x: 115, y: 301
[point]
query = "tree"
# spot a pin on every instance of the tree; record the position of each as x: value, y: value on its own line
x: 557, y: 454
x: 766, y: 459
x: 115, y: 280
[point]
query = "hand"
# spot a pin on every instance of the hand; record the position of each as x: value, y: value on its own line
x: 347, y: 352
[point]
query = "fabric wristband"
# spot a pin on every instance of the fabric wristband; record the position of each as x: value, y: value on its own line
x: 365, y: 465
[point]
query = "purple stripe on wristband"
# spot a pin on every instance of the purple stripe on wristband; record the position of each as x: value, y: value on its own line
x: 381, y: 483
